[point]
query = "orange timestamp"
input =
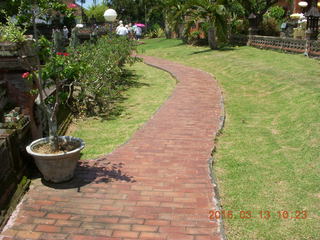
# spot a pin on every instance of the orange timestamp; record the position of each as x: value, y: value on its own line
x: 262, y: 214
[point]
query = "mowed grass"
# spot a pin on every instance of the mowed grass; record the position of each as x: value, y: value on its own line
x: 141, y: 101
x: 268, y: 156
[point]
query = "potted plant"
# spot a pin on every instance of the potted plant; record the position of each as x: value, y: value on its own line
x: 55, y: 156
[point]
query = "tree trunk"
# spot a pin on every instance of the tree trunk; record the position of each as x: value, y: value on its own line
x: 167, y: 28
x: 212, y: 38
x: 53, y: 138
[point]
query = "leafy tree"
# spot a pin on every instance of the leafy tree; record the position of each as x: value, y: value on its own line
x: 129, y: 10
x: 97, y: 12
x: 258, y: 8
x: 9, y: 8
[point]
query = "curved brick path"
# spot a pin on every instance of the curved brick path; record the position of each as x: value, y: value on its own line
x: 156, y: 186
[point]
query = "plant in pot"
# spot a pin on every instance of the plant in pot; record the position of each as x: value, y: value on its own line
x: 55, y: 156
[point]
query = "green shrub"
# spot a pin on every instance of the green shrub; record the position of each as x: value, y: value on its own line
x: 101, y: 77
x: 11, y: 32
x: 270, y: 27
x: 155, y: 32
x: 239, y: 26
x: 276, y: 12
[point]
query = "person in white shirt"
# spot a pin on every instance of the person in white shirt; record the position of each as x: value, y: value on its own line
x: 120, y: 23
x: 65, y: 32
x: 122, y: 31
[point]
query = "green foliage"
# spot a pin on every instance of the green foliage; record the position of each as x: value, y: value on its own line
x: 97, y: 12
x: 42, y: 9
x: 277, y: 13
x: 215, y: 14
x: 60, y: 68
x: 11, y: 32
x: 270, y: 27
x: 155, y: 32
x: 101, y: 74
x: 239, y: 26
x: 258, y: 7
x: 194, y: 37
x: 45, y: 48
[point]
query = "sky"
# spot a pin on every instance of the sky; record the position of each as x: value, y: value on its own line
x: 88, y: 3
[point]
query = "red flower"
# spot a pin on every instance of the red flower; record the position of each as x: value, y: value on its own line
x: 66, y: 54
x: 26, y: 75
x: 72, y: 5
x: 59, y: 53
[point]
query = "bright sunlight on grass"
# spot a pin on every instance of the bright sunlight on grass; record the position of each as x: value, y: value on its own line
x: 141, y: 102
x: 268, y: 155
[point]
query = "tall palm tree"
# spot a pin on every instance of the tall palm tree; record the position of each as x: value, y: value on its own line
x: 214, y: 13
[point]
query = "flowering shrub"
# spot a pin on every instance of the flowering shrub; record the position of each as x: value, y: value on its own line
x: 72, y: 5
x: 102, y: 70
x: 26, y: 75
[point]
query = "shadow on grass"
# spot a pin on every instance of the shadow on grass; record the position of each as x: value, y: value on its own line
x: 93, y: 171
x: 222, y: 49
x: 115, y: 107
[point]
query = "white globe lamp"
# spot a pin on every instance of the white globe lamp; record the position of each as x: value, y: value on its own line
x: 110, y: 15
x: 303, y: 4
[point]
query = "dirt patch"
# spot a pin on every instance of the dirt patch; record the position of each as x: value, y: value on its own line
x: 63, y: 147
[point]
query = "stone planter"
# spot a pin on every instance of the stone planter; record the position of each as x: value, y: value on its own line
x: 57, y: 167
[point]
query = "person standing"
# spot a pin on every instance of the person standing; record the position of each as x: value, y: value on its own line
x: 130, y: 30
x: 65, y: 32
x: 120, y: 23
x: 122, y: 31
x: 138, y: 32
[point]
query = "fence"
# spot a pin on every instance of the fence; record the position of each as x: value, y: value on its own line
x: 307, y: 47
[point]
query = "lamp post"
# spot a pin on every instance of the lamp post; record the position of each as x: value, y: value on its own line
x: 312, y: 16
x: 252, y: 24
x: 82, y: 2
x: 110, y: 16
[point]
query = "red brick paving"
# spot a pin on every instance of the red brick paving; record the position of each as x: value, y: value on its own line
x: 156, y: 186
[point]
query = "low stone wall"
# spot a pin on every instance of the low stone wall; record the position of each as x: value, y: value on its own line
x: 307, y: 47
x: 15, y: 164
x: 285, y: 44
x: 239, y: 40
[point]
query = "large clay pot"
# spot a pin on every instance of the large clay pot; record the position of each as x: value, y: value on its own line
x: 57, y: 167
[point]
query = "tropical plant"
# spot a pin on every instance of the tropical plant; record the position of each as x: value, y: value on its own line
x: 270, y: 27
x: 155, y: 32
x: 214, y: 13
x: 173, y: 14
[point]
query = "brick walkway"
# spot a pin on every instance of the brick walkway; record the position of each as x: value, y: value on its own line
x: 156, y: 186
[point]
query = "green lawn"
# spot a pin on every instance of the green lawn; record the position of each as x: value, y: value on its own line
x: 151, y: 89
x: 268, y: 157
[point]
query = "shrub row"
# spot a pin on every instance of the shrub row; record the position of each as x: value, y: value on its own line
x: 96, y: 73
